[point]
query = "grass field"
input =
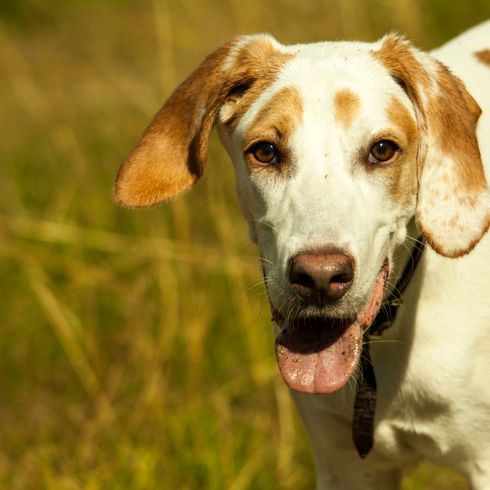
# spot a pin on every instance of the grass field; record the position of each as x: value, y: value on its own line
x: 135, y: 348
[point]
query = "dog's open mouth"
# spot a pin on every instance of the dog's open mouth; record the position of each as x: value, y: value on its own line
x: 319, y: 355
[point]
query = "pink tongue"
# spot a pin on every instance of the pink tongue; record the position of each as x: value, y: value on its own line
x: 320, y: 365
x: 320, y: 355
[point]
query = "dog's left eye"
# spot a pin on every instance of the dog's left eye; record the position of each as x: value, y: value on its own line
x: 382, y: 151
x: 265, y: 152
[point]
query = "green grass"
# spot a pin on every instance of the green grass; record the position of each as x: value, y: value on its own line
x: 135, y: 348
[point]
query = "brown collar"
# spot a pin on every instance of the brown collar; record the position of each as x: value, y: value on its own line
x: 365, y: 401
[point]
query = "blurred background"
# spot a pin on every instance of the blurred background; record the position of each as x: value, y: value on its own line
x: 135, y: 346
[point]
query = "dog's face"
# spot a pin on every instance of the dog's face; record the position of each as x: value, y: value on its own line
x: 336, y: 147
x: 325, y: 159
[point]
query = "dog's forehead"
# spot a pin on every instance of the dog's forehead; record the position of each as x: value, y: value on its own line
x: 340, y: 79
x: 326, y: 68
x: 350, y: 55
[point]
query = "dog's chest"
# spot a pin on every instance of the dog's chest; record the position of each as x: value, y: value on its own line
x: 421, y: 414
x: 415, y: 427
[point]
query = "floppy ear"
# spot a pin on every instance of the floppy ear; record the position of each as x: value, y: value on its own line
x: 453, y: 205
x: 172, y: 152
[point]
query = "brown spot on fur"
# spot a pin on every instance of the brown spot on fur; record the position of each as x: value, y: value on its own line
x: 346, y: 106
x: 172, y: 152
x: 455, y: 220
x: 445, y: 179
x: 275, y: 122
x: 483, y: 56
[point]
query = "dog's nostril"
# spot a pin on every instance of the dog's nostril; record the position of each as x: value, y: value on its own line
x: 304, y: 280
x: 341, y: 279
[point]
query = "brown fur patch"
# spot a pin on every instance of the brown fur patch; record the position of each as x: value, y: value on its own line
x: 346, y: 107
x: 483, y: 56
x: 257, y: 66
x: 402, y: 118
x: 403, y: 172
x: 459, y: 142
x: 396, y: 54
x: 275, y: 122
x: 172, y: 152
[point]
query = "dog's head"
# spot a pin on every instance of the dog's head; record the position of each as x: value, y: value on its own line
x: 336, y: 147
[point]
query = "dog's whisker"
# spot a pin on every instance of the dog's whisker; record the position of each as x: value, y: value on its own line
x: 382, y: 341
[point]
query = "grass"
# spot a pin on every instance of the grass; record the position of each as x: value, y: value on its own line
x: 136, y: 350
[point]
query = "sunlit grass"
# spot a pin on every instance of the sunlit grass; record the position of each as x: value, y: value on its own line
x: 136, y: 349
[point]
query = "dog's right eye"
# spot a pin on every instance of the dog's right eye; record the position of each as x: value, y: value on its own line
x: 265, y: 152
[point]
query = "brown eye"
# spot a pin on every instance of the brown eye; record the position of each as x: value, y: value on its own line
x: 382, y: 151
x: 265, y: 152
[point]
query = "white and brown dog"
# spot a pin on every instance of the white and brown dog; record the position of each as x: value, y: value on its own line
x: 345, y: 153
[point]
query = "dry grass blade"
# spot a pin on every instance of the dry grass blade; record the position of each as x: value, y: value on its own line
x: 65, y: 332
x: 246, y: 474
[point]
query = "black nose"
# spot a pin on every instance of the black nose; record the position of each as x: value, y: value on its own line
x: 321, y: 278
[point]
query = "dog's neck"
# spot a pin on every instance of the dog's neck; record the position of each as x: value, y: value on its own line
x: 365, y: 400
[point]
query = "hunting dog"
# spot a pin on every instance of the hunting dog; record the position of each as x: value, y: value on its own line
x: 347, y: 155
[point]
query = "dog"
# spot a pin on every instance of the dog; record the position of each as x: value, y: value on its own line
x: 348, y: 156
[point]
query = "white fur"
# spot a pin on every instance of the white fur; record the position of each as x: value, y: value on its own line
x: 433, y: 364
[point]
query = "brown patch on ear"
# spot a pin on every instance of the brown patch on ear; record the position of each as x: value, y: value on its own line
x: 161, y: 166
x: 483, y: 56
x: 453, y: 209
x: 457, y: 138
x: 172, y: 152
x: 398, y: 56
x: 346, y: 107
x: 275, y: 122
